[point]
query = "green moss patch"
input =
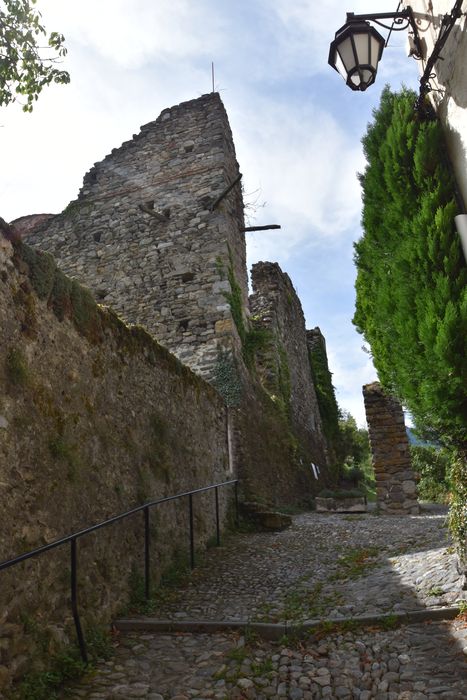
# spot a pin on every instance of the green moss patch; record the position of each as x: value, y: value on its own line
x: 16, y: 368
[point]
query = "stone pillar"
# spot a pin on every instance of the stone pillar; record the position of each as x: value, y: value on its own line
x: 395, y: 481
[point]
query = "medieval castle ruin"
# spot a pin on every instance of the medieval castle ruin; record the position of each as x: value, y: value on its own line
x: 157, y: 235
x: 135, y: 365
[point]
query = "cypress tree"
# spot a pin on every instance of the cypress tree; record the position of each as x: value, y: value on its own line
x: 411, y: 303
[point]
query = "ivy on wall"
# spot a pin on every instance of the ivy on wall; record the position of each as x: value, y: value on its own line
x: 226, y: 379
x: 322, y: 379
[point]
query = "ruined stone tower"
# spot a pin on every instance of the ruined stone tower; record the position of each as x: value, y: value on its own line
x: 144, y: 235
x: 284, y: 363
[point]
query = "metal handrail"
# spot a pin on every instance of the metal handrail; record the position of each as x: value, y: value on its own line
x: 72, y: 539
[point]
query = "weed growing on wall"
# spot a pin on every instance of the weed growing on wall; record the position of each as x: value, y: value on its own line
x: 16, y: 368
x: 63, y: 667
x: 235, y: 299
x: 226, y: 379
x: 41, y: 270
x: 325, y: 394
x: 61, y: 296
x: 64, y: 451
x: 256, y: 341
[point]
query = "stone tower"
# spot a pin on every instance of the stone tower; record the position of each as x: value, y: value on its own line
x: 148, y: 238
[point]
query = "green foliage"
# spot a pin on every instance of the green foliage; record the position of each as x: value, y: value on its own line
x: 322, y: 379
x: 85, y: 310
x: 458, y: 509
x: 235, y: 299
x: 41, y: 270
x: 355, y: 563
x: 62, y: 450
x: 45, y: 685
x: 61, y: 296
x: 284, y: 379
x: 352, y: 450
x: 226, y: 379
x: 16, y: 368
x: 64, y: 667
x: 341, y: 493
x: 256, y: 340
x: 354, y: 447
x: 26, y: 67
x: 411, y: 285
x: 433, y: 464
x: 389, y: 621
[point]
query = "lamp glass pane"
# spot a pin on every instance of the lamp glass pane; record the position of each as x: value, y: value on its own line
x: 366, y: 76
x: 340, y: 66
x: 375, y: 44
x: 362, y: 48
x: 346, y: 54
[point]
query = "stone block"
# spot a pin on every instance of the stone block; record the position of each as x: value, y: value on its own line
x: 224, y: 326
x: 409, y: 487
x: 340, y: 505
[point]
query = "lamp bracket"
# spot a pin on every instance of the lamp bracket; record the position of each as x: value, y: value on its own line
x: 447, y: 24
x: 400, y: 20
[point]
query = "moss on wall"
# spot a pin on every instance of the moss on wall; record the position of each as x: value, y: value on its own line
x: 16, y: 368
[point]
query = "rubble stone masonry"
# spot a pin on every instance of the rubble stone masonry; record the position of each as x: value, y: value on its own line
x: 95, y: 418
x: 395, y: 481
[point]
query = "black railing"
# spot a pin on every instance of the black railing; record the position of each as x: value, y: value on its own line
x: 145, y: 509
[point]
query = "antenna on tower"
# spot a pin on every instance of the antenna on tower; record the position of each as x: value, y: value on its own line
x: 212, y: 75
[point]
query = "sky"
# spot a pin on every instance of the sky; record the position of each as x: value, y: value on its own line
x: 297, y: 130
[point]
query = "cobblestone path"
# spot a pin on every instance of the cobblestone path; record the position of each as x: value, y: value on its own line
x: 324, y: 566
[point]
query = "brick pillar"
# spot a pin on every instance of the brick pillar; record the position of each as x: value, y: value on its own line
x: 395, y: 482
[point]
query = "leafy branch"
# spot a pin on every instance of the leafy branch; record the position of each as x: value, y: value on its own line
x: 24, y: 67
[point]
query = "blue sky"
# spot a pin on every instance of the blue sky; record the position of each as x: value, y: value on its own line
x: 296, y: 126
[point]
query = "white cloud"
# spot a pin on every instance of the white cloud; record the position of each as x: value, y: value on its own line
x: 304, y: 167
x: 132, y: 33
x: 351, y: 369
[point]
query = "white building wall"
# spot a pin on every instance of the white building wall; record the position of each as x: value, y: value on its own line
x: 450, y: 82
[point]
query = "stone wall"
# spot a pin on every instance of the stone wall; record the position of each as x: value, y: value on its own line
x: 142, y: 235
x: 282, y: 358
x: 395, y: 481
x: 95, y: 418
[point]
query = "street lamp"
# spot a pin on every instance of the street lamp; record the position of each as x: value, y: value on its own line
x: 358, y: 47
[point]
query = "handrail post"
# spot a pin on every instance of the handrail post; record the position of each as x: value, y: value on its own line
x: 74, y: 600
x: 147, y: 556
x: 192, y: 535
x: 218, y: 531
x: 237, y: 521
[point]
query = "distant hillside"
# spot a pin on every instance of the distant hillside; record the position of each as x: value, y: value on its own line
x: 414, y: 440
